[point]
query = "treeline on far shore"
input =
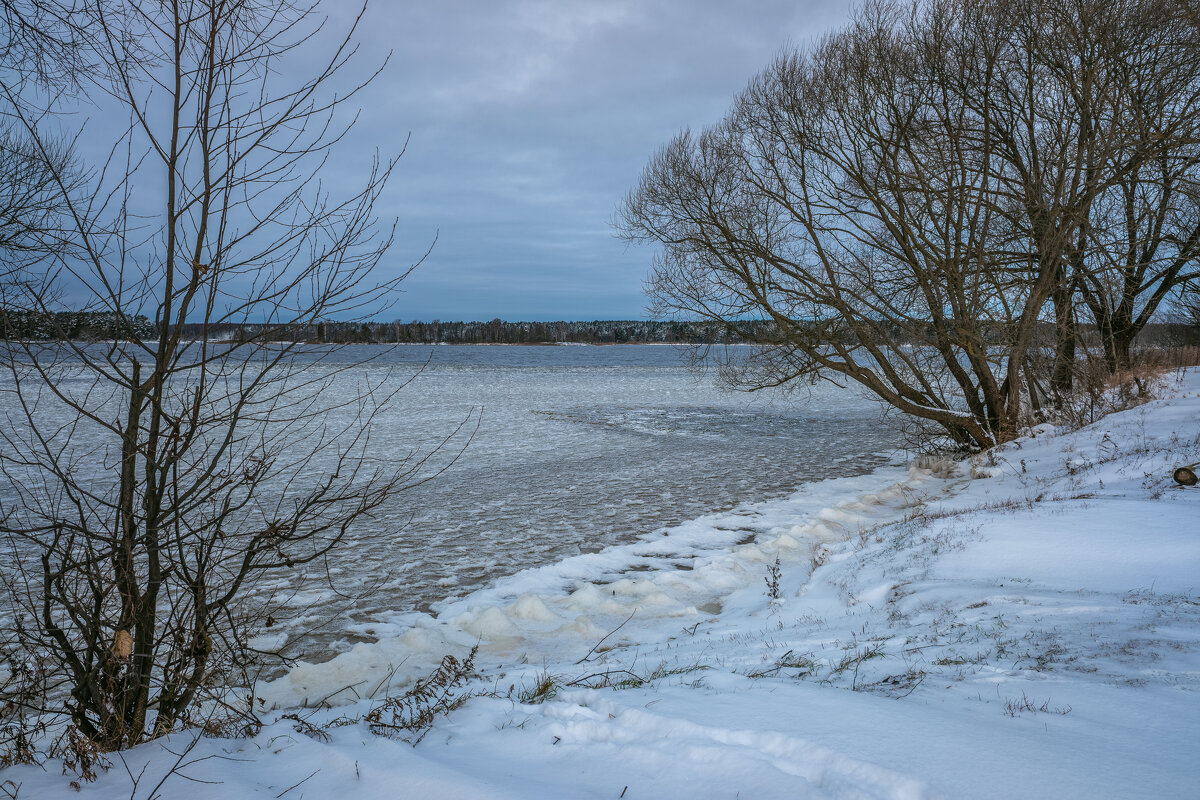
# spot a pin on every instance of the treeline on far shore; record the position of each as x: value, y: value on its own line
x: 80, y: 325
x: 35, y: 326
x: 497, y: 331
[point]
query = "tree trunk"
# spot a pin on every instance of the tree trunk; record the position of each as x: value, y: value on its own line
x: 1062, y: 378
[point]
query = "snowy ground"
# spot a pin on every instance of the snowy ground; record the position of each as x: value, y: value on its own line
x: 1023, y: 625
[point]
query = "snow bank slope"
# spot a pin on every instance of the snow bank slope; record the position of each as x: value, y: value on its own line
x: 708, y: 566
x: 1027, y: 628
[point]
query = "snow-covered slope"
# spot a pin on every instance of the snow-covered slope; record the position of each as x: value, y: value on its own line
x: 1025, y: 626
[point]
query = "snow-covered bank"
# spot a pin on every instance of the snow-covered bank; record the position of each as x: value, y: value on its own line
x: 1028, y: 626
x: 695, y: 572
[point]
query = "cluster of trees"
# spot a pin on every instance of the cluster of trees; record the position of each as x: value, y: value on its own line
x: 18, y: 323
x: 684, y: 332
x: 916, y: 200
x: 82, y: 326
x: 498, y: 331
x: 153, y: 476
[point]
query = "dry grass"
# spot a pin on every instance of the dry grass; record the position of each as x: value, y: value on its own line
x: 1165, y: 359
x: 1099, y: 392
x: 544, y: 688
x: 409, y: 716
x: 772, y: 580
x: 1014, y: 707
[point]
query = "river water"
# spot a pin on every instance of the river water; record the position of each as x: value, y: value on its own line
x: 577, y: 448
x: 571, y: 449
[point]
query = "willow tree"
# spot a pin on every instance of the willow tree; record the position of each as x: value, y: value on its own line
x: 153, y: 480
x: 1141, y: 244
x: 902, y: 201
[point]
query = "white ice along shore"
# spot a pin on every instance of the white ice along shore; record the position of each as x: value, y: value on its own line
x: 1024, y: 624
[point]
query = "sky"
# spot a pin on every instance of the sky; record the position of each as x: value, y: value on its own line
x: 528, y: 121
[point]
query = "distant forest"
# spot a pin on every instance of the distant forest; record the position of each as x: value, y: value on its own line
x: 77, y: 325
x: 497, y: 331
x: 83, y: 325
x: 73, y: 325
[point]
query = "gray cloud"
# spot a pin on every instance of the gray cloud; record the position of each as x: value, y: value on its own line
x: 530, y: 119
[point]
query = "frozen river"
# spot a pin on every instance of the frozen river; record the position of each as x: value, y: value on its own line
x: 574, y: 449
x: 577, y: 448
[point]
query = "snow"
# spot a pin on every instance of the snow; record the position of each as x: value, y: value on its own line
x: 1025, y: 625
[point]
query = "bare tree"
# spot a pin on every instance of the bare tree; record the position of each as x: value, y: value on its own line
x: 41, y: 43
x: 1187, y: 308
x: 1142, y: 241
x: 42, y: 57
x: 153, y: 480
x: 903, y: 201
x: 30, y: 206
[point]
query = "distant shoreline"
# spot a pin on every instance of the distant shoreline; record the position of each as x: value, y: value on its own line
x: 533, y: 344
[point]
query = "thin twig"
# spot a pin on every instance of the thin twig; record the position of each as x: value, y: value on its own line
x: 610, y: 633
x: 293, y: 786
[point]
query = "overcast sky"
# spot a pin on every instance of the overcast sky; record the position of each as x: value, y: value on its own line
x: 529, y: 121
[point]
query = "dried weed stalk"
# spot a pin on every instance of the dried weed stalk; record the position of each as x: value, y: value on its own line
x: 410, y: 716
